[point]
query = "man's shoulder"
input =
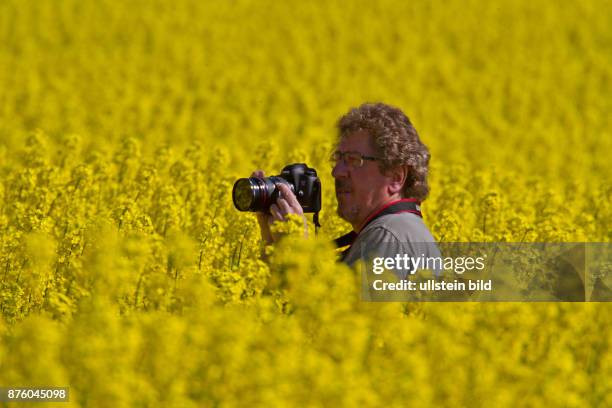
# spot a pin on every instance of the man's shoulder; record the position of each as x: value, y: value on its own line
x: 404, y: 227
x: 393, y: 234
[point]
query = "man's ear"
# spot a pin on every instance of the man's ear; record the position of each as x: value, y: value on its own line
x: 398, y: 175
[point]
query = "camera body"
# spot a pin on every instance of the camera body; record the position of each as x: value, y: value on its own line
x: 258, y: 194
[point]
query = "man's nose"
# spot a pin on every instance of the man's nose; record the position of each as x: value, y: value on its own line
x: 340, y: 169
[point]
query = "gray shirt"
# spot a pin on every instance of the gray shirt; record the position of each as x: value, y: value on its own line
x: 390, y: 235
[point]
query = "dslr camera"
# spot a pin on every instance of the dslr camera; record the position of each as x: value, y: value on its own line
x: 258, y: 194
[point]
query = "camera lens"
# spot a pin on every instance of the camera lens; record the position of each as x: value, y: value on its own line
x: 251, y: 194
x: 255, y: 194
x: 243, y: 194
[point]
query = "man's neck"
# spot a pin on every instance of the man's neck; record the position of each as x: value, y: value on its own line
x: 357, y: 227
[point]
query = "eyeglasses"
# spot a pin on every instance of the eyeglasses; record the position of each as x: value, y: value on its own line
x: 353, y: 159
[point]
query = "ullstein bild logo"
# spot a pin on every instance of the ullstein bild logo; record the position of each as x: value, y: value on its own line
x: 488, y: 272
x: 431, y: 284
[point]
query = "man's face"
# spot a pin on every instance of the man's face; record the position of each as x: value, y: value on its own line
x: 359, y: 190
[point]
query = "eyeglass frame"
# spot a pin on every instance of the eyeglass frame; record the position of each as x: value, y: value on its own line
x: 342, y: 157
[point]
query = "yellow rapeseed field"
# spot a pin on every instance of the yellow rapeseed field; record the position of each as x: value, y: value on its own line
x: 128, y: 276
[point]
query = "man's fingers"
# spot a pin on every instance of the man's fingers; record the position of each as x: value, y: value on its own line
x: 290, y: 198
x: 276, y: 213
x: 258, y: 174
x: 284, y: 207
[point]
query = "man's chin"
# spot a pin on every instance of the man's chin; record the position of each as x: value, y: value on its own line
x: 340, y: 213
x: 345, y: 214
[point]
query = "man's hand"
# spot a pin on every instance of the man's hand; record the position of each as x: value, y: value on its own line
x: 286, y: 204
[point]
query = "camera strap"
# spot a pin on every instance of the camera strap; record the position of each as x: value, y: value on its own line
x: 315, y: 221
x: 410, y: 205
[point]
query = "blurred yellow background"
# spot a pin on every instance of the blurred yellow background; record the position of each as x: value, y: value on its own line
x: 128, y: 274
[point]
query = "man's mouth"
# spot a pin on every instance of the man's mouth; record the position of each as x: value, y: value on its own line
x: 343, y: 198
x: 343, y: 189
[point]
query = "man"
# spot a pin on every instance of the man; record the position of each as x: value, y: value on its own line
x: 380, y: 171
